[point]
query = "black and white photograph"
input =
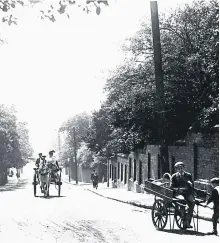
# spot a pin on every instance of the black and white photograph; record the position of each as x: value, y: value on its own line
x: 109, y: 121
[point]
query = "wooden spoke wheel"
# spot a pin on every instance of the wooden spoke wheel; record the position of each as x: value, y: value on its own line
x: 159, y: 214
x: 180, y: 216
x: 59, y: 190
x: 35, y: 184
x: 59, y: 184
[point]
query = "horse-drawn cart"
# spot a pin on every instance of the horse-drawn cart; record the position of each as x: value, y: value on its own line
x: 49, y: 179
x: 168, y: 206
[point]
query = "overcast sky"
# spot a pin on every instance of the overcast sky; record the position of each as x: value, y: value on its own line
x: 51, y: 71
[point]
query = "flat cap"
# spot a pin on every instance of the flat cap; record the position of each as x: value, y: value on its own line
x: 179, y: 164
x: 214, y: 180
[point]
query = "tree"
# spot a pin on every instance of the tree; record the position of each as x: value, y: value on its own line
x: 85, y: 156
x: 191, y: 43
x: 15, y: 149
x: 189, y: 39
x: 81, y: 124
x: 47, y: 12
x: 25, y: 148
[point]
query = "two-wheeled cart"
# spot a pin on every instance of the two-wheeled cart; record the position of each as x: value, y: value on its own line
x: 54, y: 181
x: 167, y: 205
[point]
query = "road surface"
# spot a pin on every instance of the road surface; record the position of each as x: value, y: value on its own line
x: 79, y: 216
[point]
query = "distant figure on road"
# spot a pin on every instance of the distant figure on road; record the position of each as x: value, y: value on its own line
x: 18, y: 174
x: 11, y: 173
x: 95, y: 179
x: 215, y: 199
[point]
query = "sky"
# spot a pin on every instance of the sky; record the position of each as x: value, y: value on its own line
x: 51, y: 71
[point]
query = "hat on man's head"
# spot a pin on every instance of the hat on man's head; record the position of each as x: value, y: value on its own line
x: 40, y: 154
x: 51, y: 152
x: 214, y: 180
x: 180, y: 163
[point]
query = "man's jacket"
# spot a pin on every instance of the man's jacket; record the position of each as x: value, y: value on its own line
x: 94, y: 177
x: 182, y: 182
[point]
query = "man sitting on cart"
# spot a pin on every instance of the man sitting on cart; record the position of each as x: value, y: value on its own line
x: 53, y: 165
x: 182, y: 184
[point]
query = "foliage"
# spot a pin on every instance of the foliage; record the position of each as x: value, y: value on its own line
x: 81, y: 124
x: 15, y: 149
x: 51, y: 11
x: 25, y: 148
x: 85, y: 156
x: 130, y: 118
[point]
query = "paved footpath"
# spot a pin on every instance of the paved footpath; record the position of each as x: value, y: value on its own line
x: 144, y: 200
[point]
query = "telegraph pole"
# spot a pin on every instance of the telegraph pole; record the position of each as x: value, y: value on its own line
x: 76, y: 166
x: 107, y: 172
x: 159, y: 88
x: 157, y: 67
x: 69, y: 169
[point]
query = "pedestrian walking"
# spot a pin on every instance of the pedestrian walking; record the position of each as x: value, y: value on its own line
x: 215, y: 199
x: 95, y: 179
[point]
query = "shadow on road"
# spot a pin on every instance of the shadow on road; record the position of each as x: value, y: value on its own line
x: 82, y: 230
x: 21, y: 184
x: 184, y: 232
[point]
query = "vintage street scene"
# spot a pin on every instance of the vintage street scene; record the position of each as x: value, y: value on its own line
x: 109, y: 121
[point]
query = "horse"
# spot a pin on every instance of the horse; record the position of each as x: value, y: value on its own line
x: 44, y: 178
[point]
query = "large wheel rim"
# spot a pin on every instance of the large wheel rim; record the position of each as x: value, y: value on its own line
x: 48, y: 189
x: 35, y: 186
x: 180, y: 216
x: 159, y: 214
x: 59, y: 190
x: 59, y: 186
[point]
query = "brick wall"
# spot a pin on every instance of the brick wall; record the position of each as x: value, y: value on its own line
x: 184, y: 154
x: 199, y: 153
x: 208, y: 163
x: 118, y: 168
x: 154, y: 151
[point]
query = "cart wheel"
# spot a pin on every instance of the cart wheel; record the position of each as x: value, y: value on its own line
x: 35, y: 185
x: 59, y: 190
x: 59, y: 185
x: 159, y: 214
x: 48, y: 190
x: 180, y: 216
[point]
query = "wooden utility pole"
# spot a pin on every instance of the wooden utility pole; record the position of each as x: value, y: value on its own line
x: 107, y: 172
x: 158, y: 67
x: 69, y: 168
x: 75, y: 155
x: 163, y: 158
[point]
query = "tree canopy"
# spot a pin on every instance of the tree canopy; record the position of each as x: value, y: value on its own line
x: 15, y: 149
x: 128, y: 119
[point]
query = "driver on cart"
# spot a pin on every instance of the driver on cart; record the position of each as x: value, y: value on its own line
x: 38, y: 163
x: 53, y: 165
x: 182, y: 184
